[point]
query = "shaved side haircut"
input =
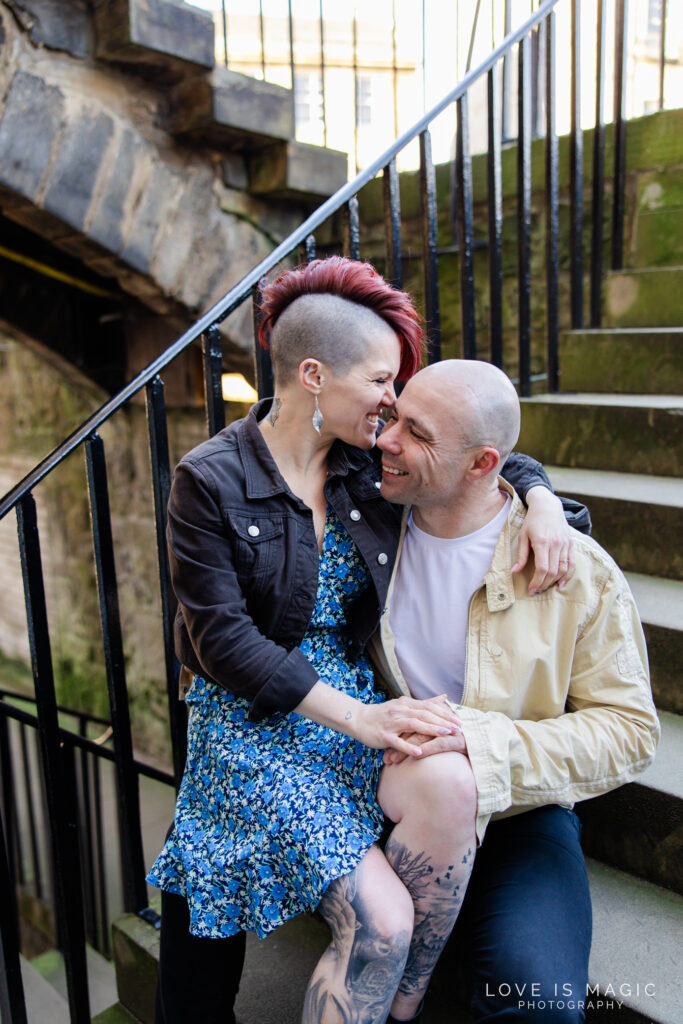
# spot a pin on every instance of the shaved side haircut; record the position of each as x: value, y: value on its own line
x: 360, y: 285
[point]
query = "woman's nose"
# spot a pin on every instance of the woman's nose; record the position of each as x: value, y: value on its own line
x: 389, y: 396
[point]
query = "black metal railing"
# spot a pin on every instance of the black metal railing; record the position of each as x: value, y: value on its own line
x: 71, y: 863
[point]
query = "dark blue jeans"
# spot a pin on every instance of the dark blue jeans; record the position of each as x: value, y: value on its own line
x: 524, y: 931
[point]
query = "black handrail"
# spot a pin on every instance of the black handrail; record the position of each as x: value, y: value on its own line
x: 243, y: 288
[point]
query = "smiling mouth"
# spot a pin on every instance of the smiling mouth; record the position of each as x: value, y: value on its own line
x: 393, y: 472
x: 373, y: 418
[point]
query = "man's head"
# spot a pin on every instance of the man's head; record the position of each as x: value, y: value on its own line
x: 453, y: 426
x: 326, y: 309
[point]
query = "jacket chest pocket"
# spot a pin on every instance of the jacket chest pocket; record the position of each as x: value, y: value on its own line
x: 258, y: 544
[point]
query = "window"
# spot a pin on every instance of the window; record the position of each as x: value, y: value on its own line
x: 308, y: 99
x: 363, y: 101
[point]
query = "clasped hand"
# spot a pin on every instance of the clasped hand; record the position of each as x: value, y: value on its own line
x: 407, y: 727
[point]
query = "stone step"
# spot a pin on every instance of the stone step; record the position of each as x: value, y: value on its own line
x: 625, y: 509
x: 101, y: 977
x: 660, y: 603
x: 639, y: 827
x: 639, y: 360
x: 643, y: 298
x: 116, y: 1014
x: 44, y: 1005
x: 637, y: 948
x: 622, y: 433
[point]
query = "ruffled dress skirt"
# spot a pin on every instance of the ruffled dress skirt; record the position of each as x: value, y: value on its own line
x: 269, y: 813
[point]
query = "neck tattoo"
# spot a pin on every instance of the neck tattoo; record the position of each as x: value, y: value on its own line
x: 274, y: 411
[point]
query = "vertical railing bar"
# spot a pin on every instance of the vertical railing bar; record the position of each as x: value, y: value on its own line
x: 85, y: 833
x: 31, y: 814
x: 225, y: 32
x: 9, y: 801
x: 620, y: 54
x: 354, y: 58
x: 463, y: 162
x: 507, y: 76
x: 576, y: 174
x: 430, y: 258
x: 309, y: 248
x: 495, y: 215
x: 662, y: 53
x: 262, y: 32
x: 99, y: 854
x: 127, y: 791
x: 212, y: 355
x: 291, y: 42
x: 392, y: 224
x: 552, y: 205
x: 161, y: 486
x: 263, y: 367
x: 394, y: 66
x: 598, y: 173
x: 351, y: 229
x: 524, y: 215
x: 65, y: 859
x: 12, y: 1005
x: 322, y: 72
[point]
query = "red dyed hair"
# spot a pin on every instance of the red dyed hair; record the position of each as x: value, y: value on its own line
x: 357, y: 282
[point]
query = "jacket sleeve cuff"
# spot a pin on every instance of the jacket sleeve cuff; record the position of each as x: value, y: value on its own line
x: 286, y: 688
x: 492, y: 777
x: 523, y: 473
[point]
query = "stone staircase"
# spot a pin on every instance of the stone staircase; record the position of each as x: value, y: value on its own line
x: 613, y: 438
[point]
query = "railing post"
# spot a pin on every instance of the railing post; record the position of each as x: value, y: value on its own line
x: 495, y: 215
x: 351, y: 229
x: 463, y: 164
x: 157, y: 429
x: 524, y: 215
x: 30, y: 812
x: 127, y: 791
x: 620, y: 34
x: 12, y: 1005
x: 65, y: 859
x: 263, y: 364
x: 392, y: 224
x: 429, y: 254
x: 576, y: 175
x: 552, y: 206
x: 213, y: 370
x: 598, y: 173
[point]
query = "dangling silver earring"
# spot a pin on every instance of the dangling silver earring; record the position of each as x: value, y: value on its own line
x: 317, y: 416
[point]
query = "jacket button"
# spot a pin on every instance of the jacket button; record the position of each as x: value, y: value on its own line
x: 378, y: 484
x: 382, y: 558
x: 496, y: 650
x: 253, y: 530
x: 354, y: 514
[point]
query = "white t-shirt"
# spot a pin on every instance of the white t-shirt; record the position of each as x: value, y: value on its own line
x: 435, y: 580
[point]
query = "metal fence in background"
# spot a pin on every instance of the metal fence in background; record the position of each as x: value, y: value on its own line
x: 63, y: 778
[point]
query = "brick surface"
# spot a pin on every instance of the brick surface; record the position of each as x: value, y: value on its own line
x: 30, y: 124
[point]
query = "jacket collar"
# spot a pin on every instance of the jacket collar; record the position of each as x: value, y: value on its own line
x: 263, y: 478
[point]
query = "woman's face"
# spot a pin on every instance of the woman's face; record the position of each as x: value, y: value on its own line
x: 352, y: 401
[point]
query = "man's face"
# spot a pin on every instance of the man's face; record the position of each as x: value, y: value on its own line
x: 424, y: 460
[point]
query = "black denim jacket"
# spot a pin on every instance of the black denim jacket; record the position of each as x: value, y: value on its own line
x: 244, y: 559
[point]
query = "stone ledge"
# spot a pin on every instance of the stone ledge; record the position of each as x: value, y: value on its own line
x: 136, y: 957
x: 228, y: 108
x: 164, y: 36
x: 297, y: 170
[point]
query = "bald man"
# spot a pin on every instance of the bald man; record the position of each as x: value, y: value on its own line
x: 552, y: 689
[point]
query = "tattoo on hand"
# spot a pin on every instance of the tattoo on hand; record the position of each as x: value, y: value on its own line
x: 348, y: 716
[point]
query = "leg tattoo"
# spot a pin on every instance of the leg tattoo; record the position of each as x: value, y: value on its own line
x: 437, y: 897
x: 356, y: 979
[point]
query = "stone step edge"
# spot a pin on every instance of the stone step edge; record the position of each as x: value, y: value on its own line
x: 44, y: 1004
x: 637, y: 943
x: 659, y: 601
x: 617, y: 486
x: 629, y: 332
x: 607, y: 399
x: 665, y: 774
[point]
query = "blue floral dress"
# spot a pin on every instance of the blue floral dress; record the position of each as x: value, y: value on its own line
x: 269, y: 813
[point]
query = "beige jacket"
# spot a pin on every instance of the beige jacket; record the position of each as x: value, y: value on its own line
x: 556, y: 705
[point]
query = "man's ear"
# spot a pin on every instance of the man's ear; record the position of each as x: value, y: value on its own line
x: 310, y: 375
x: 486, y: 460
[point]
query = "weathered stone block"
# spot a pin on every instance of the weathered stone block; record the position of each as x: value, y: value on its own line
x: 297, y: 170
x: 30, y: 124
x: 186, y: 221
x: 234, y: 171
x: 72, y: 178
x: 136, y: 955
x: 58, y: 25
x: 161, y: 190
x: 108, y: 222
x: 641, y: 298
x: 157, y: 35
x: 227, y: 107
x: 647, y: 360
